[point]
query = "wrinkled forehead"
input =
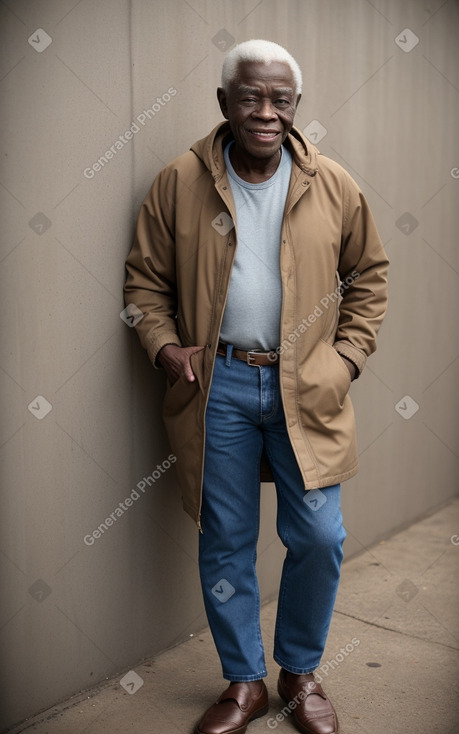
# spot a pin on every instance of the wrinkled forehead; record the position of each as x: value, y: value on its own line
x: 256, y: 74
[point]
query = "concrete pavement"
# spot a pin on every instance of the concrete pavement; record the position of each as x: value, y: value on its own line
x: 391, y: 662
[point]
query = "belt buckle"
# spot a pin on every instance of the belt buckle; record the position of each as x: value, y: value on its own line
x: 251, y: 358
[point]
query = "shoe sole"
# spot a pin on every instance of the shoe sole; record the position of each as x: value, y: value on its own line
x: 299, y: 726
x: 242, y: 729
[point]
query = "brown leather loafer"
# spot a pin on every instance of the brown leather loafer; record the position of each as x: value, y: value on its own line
x: 313, y: 712
x: 239, y: 704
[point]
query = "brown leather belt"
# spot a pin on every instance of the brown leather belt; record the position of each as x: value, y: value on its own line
x: 253, y: 357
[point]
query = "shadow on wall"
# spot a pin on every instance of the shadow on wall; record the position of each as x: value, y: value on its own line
x: 164, y: 539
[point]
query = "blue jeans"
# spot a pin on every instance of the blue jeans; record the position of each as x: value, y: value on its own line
x: 245, y: 413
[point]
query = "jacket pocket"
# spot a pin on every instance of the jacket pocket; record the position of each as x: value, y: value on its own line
x: 331, y: 323
x: 324, y: 382
x: 183, y: 417
x: 342, y: 367
x: 195, y: 366
x: 180, y: 393
x: 326, y: 413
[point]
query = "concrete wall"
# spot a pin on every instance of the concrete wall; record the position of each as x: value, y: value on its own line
x: 80, y: 423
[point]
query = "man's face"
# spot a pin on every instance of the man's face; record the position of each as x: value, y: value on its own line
x: 260, y: 106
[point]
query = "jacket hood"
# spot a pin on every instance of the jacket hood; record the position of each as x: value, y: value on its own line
x: 210, y: 150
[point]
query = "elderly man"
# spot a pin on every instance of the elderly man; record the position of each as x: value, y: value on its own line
x: 262, y: 283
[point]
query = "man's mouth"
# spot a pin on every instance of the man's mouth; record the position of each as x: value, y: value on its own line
x: 264, y: 134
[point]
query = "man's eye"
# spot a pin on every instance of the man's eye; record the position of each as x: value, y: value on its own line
x: 282, y: 102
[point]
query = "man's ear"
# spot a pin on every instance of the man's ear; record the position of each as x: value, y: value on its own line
x: 297, y: 101
x: 223, y: 102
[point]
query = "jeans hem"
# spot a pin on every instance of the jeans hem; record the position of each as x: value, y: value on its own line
x: 293, y: 669
x: 245, y: 678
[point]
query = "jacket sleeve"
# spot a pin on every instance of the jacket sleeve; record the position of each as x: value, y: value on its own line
x: 363, y: 271
x: 151, y: 274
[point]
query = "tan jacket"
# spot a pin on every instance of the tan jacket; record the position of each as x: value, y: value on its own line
x: 178, y: 272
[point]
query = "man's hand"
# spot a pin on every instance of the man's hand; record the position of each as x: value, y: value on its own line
x: 176, y: 362
x: 350, y: 365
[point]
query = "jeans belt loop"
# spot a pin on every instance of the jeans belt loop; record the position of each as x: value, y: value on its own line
x: 229, y: 354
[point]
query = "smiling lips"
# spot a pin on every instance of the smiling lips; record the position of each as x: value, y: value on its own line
x: 265, y: 135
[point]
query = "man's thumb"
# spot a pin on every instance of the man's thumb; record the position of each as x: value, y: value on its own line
x: 189, y: 374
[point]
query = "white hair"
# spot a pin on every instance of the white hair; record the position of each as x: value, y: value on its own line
x: 262, y: 51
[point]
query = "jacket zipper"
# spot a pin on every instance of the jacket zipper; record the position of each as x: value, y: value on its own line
x: 222, y: 270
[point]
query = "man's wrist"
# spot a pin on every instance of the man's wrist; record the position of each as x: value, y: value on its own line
x: 158, y: 356
x: 353, y: 370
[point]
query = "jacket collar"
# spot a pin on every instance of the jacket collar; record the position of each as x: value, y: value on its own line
x: 210, y: 150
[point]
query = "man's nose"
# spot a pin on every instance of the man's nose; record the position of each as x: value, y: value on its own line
x: 265, y: 110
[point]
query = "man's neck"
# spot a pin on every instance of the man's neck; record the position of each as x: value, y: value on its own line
x: 254, y: 170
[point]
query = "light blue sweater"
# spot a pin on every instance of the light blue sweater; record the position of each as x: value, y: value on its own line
x: 252, y: 315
